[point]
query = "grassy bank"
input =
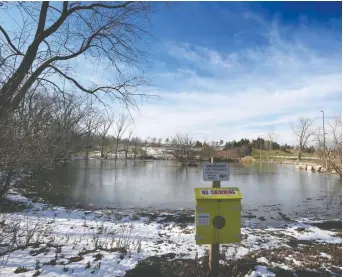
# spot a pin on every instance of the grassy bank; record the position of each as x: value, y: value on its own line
x: 281, y: 154
x: 285, y: 156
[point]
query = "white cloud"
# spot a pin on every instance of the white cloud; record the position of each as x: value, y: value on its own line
x: 215, y: 95
x: 232, y: 94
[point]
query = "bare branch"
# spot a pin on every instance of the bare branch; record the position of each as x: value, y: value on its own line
x: 66, y: 13
x: 55, y: 9
x: 102, y: 30
x: 17, y: 52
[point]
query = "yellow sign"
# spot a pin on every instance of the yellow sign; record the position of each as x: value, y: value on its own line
x: 218, y: 215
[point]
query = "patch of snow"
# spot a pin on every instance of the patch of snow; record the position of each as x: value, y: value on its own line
x: 261, y: 271
x: 262, y: 260
x: 144, y: 219
x: 313, y: 234
x: 126, y: 219
x: 281, y: 265
x: 297, y: 263
x: 324, y: 255
x: 292, y: 260
x: 17, y: 198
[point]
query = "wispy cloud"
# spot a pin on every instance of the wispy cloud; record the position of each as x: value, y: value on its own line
x: 247, y: 91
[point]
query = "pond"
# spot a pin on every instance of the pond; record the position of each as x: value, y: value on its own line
x: 266, y: 188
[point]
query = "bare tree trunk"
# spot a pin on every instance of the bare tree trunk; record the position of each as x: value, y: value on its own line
x: 88, y: 145
x: 87, y: 153
x: 11, y: 86
x: 299, y: 155
x: 103, y: 130
x: 117, y: 143
x: 102, y: 148
x: 121, y: 126
x: 127, y: 143
x: 135, y: 148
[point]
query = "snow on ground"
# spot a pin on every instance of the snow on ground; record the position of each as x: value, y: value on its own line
x: 325, y: 255
x: 262, y: 260
x: 81, y: 243
x: 17, y: 197
x: 261, y: 271
x: 302, y: 231
x: 158, y: 152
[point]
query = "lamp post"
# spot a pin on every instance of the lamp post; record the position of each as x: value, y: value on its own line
x: 326, y: 166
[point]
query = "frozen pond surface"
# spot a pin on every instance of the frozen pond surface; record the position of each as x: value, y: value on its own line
x: 267, y: 189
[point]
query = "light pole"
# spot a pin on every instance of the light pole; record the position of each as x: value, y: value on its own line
x: 326, y: 166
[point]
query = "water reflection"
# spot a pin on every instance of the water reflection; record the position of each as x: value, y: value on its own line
x: 165, y: 184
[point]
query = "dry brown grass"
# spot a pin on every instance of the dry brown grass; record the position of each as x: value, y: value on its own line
x: 247, y: 159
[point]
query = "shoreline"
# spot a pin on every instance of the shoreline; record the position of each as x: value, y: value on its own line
x: 302, y: 165
x: 124, y: 243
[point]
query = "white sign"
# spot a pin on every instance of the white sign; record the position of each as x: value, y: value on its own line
x: 203, y: 219
x: 216, y: 172
x: 222, y: 191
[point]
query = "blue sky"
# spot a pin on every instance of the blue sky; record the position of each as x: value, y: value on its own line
x: 232, y: 69
x: 227, y: 70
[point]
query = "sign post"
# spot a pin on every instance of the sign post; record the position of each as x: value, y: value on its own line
x: 214, y: 248
x: 217, y: 212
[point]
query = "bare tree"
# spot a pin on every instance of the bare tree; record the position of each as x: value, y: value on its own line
x: 207, y: 151
x: 107, y: 122
x: 270, y: 138
x: 121, y: 125
x: 303, y: 134
x: 127, y: 142
x: 92, y: 123
x: 46, y: 129
x: 136, y: 142
x: 319, y: 141
x: 334, y: 151
x: 182, y: 148
x: 52, y: 36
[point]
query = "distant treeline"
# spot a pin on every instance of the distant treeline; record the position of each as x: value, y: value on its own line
x: 261, y: 143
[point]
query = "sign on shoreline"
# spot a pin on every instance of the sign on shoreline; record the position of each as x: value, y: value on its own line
x: 216, y: 171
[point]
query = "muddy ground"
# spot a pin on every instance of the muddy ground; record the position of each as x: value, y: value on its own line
x: 309, y: 263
